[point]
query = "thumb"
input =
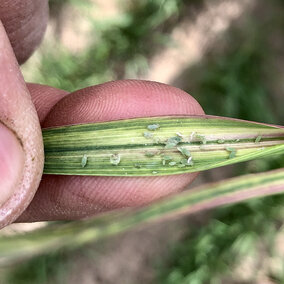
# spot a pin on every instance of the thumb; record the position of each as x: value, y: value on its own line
x: 21, y: 148
x: 11, y: 163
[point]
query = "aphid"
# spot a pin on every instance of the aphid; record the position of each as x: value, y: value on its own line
x: 84, y: 161
x: 150, y: 154
x: 172, y: 163
x: 232, y: 152
x: 148, y: 135
x: 165, y: 158
x: 154, y: 172
x: 220, y: 141
x: 258, y: 138
x: 186, y: 162
x: 153, y: 127
x: 185, y: 152
x: 136, y: 165
x: 115, y: 159
x: 172, y: 142
x: 201, y: 138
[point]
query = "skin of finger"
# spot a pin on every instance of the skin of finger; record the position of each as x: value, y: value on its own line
x: 19, y: 115
x: 25, y: 22
x: 73, y: 197
x: 44, y: 98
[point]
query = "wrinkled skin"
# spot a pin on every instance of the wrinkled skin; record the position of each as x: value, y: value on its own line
x: 28, y: 196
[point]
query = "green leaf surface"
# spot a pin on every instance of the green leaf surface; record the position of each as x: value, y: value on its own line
x: 137, y: 147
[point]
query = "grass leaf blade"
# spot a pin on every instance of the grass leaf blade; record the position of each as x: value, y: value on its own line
x: 77, y: 233
x: 120, y: 148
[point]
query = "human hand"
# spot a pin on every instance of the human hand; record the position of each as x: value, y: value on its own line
x: 23, y: 106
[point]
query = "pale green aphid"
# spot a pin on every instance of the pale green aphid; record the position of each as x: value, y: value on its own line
x: 232, y: 152
x: 165, y: 158
x: 115, y: 159
x: 185, y: 152
x: 201, y: 138
x: 186, y: 162
x: 258, y: 138
x: 150, y: 154
x: 172, y: 163
x: 172, y: 142
x: 148, y: 135
x: 154, y: 172
x: 220, y: 141
x: 136, y: 165
x: 84, y: 161
x: 153, y: 127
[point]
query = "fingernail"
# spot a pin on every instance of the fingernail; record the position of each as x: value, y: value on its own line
x: 11, y: 163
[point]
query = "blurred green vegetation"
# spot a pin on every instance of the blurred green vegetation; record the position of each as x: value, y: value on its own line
x: 233, y: 81
x: 118, y: 49
x: 52, y: 267
x: 210, y: 254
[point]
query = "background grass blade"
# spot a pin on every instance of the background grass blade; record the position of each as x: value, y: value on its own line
x: 157, y: 145
x: 77, y: 233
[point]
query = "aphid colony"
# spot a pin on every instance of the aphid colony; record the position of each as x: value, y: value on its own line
x: 170, y: 143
